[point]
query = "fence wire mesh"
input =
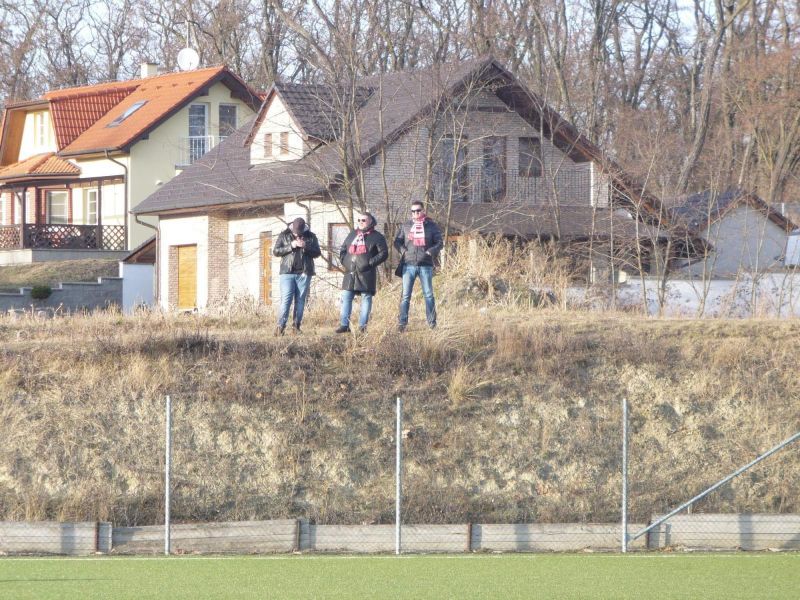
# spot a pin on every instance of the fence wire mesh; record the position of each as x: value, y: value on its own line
x: 498, y: 474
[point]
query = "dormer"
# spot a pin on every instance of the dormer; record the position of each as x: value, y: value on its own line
x: 276, y: 135
x: 297, y: 118
x: 38, y: 135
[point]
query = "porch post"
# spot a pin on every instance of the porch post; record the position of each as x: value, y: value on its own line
x: 24, y: 218
x: 99, y: 215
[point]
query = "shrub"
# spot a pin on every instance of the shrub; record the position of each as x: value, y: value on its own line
x: 41, y: 292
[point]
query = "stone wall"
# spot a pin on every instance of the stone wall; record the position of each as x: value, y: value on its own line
x: 68, y: 297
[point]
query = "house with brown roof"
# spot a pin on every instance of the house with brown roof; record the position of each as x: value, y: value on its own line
x: 484, y: 151
x: 74, y: 162
x: 743, y: 234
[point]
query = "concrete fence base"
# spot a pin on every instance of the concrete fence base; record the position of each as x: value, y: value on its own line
x: 728, y: 532
x: 702, y: 532
x: 557, y: 537
x: 72, y: 539
x: 241, y: 537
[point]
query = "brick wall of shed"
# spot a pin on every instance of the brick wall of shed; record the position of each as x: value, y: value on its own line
x: 218, y: 259
x: 172, y: 270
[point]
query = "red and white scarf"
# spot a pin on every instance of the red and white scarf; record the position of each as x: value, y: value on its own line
x: 359, y: 246
x: 417, y: 232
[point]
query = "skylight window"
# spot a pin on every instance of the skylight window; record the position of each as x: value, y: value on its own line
x: 131, y: 109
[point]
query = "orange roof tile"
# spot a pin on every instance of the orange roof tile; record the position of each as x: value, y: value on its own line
x: 161, y: 95
x: 39, y: 165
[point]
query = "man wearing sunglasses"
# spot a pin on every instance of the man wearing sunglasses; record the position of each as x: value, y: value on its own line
x: 419, y: 241
x: 362, y: 251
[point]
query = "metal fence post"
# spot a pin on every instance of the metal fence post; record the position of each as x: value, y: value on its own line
x: 168, y: 457
x: 399, y: 474
x: 624, y: 475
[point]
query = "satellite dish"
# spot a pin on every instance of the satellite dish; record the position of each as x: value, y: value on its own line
x: 188, y: 59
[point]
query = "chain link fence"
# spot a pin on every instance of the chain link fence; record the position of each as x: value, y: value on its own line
x: 496, y: 476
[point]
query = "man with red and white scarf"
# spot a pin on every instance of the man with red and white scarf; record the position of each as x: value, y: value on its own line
x: 362, y: 251
x: 418, y: 241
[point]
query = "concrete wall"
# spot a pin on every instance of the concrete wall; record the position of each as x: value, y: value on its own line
x: 728, y: 532
x: 47, y: 537
x: 546, y: 537
x: 69, y: 297
x: 137, y: 286
x: 766, y: 295
x: 744, y: 240
x: 243, y: 537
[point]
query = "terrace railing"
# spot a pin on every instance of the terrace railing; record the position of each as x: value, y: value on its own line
x: 74, y: 237
x: 10, y: 237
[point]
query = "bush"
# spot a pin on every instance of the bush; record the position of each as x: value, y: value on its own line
x: 41, y: 292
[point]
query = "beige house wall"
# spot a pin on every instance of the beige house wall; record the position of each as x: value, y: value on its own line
x: 153, y: 161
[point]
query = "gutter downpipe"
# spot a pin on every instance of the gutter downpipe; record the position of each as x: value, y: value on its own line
x: 136, y: 218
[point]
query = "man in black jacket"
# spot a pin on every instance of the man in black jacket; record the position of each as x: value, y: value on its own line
x: 298, y: 248
x: 361, y: 253
x: 419, y: 241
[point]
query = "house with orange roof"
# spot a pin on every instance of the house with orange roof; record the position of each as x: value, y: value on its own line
x: 75, y: 162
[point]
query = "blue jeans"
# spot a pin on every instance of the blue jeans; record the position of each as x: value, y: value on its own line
x: 347, y: 308
x: 293, y: 288
x: 425, y: 274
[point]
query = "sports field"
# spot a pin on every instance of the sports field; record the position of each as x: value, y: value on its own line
x: 663, y: 576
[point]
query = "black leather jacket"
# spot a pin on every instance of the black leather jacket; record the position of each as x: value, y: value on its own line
x: 296, y: 260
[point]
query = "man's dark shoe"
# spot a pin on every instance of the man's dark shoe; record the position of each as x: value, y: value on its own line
x: 343, y: 329
x: 401, y: 328
x: 296, y: 328
x: 279, y: 330
x: 362, y: 329
x: 432, y: 325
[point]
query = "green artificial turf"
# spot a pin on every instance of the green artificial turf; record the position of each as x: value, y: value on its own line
x: 596, y: 576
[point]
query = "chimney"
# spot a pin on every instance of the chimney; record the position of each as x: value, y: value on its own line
x: 149, y: 69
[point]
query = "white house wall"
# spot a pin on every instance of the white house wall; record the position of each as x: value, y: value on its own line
x: 29, y: 145
x: 276, y: 120
x: 183, y: 231
x: 745, y: 240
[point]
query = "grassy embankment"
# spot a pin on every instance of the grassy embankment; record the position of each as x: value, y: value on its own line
x: 513, y: 414
x: 52, y: 273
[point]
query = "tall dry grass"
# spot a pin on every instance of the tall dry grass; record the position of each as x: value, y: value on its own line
x: 513, y: 413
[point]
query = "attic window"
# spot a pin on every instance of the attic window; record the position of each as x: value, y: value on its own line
x: 132, y: 109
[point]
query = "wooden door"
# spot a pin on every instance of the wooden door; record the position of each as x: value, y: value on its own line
x: 187, y: 277
x: 265, y: 267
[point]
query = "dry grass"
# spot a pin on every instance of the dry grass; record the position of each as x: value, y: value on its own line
x: 55, y: 272
x: 512, y: 414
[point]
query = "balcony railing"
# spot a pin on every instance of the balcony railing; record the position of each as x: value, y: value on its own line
x: 193, y: 147
x: 66, y: 237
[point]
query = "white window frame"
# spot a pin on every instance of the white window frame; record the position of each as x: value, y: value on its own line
x: 64, y: 217
x: 90, y: 205
x: 40, y: 129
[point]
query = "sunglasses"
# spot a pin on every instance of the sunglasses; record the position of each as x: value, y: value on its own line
x: 415, y: 210
x: 363, y: 220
